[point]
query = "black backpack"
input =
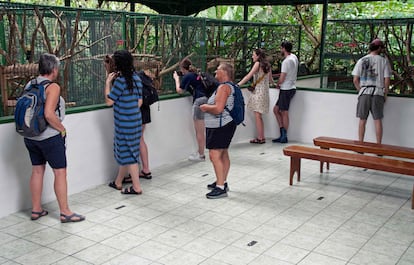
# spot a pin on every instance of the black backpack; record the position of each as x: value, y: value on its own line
x: 149, y: 92
x: 210, y: 83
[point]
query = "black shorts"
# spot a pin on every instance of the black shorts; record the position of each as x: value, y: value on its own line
x: 220, y: 138
x: 51, y: 150
x: 145, y: 114
x: 285, y: 96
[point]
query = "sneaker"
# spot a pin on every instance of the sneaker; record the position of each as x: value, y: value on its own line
x: 196, y: 157
x: 213, y: 185
x: 216, y: 193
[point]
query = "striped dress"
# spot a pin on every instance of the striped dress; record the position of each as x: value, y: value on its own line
x: 127, y: 120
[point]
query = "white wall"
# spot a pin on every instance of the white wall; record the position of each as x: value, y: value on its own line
x: 170, y: 139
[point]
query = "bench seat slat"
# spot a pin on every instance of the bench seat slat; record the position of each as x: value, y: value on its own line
x: 297, y: 152
x: 364, y: 147
x: 357, y: 160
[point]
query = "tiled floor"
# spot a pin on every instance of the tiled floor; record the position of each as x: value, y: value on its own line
x: 346, y: 216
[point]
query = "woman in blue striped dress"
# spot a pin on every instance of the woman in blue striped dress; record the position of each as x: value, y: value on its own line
x: 123, y: 91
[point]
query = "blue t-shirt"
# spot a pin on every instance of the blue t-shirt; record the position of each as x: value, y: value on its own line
x: 193, y: 85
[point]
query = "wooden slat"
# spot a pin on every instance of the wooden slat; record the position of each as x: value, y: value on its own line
x: 364, y: 147
x: 297, y: 152
x: 350, y: 159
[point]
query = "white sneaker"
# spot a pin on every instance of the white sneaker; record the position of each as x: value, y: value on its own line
x: 196, y: 157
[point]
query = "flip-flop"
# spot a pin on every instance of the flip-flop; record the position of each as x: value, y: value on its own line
x: 144, y: 175
x: 258, y: 141
x: 127, y: 180
x: 70, y: 218
x: 39, y: 214
x: 130, y: 191
x: 113, y: 185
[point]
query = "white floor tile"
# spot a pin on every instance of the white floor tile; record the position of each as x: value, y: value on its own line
x: 343, y: 216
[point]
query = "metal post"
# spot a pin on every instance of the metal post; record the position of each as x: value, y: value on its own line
x: 323, y: 35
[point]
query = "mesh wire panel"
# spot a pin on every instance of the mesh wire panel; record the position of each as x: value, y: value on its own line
x: 82, y: 37
x: 348, y: 40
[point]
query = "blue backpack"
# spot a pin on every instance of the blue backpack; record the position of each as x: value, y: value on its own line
x: 29, y: 115
x: 237, y: 112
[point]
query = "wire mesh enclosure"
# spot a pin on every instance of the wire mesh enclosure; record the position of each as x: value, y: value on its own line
x: 348, y: 40
x: 81, y: 38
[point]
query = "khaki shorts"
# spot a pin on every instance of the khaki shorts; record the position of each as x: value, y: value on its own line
x: 373, y: 104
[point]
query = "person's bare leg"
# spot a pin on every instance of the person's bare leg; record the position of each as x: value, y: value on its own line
x: 361, y: 129
x: 200, y: 135
x: 133, y: 170
x: 285, y: 118
x: 122, y: 171
x: 61, y: 191
x: 36, y: 187
x: 226, y: 163
x: 278, y: 115
x: 259, y: 125
x: 378, y: 130
x: 219, y: 166
x: 143, y: 150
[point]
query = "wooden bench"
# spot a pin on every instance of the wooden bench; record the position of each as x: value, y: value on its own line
x: 362, y: 147
x: 297, y: 152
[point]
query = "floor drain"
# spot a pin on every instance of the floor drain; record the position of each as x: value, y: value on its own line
x: 251, y: 243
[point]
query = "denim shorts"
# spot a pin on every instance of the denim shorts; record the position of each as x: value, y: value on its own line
x: 197, y: 113
x: 51, y: 150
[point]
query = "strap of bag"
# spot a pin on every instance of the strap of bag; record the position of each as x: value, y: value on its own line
x: 258, y: 80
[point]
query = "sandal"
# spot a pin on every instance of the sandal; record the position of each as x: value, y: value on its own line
x: 71, y: 218
x: 38, y: 214
x: 145, y: 175
x: 113, y: 185
x: 258, y: 141
x: 131, y: 191
x: 127, y: 180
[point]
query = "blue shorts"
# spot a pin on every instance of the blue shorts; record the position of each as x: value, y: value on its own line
x: 51, y: 150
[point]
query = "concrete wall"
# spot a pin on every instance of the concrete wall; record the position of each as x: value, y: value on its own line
x: 170, y: 138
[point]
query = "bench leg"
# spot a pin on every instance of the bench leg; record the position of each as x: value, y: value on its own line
x: 294, y: 167
x: 321, y: 163
x: 412, y: 199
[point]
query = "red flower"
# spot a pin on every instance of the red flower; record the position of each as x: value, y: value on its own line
x: 352, y: 45
x: 339, y: 44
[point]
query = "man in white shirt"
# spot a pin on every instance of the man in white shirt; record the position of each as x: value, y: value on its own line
x: 287, y: 86
x: 372, y: 80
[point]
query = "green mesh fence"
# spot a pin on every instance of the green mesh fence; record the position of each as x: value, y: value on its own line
x: 348, y: 40
x: 81, y: 38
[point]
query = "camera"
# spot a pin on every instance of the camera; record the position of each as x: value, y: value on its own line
x: 179, y: 73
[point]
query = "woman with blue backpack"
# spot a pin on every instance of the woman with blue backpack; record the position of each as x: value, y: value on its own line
x: 49, y: 145
x: 220, y: 128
